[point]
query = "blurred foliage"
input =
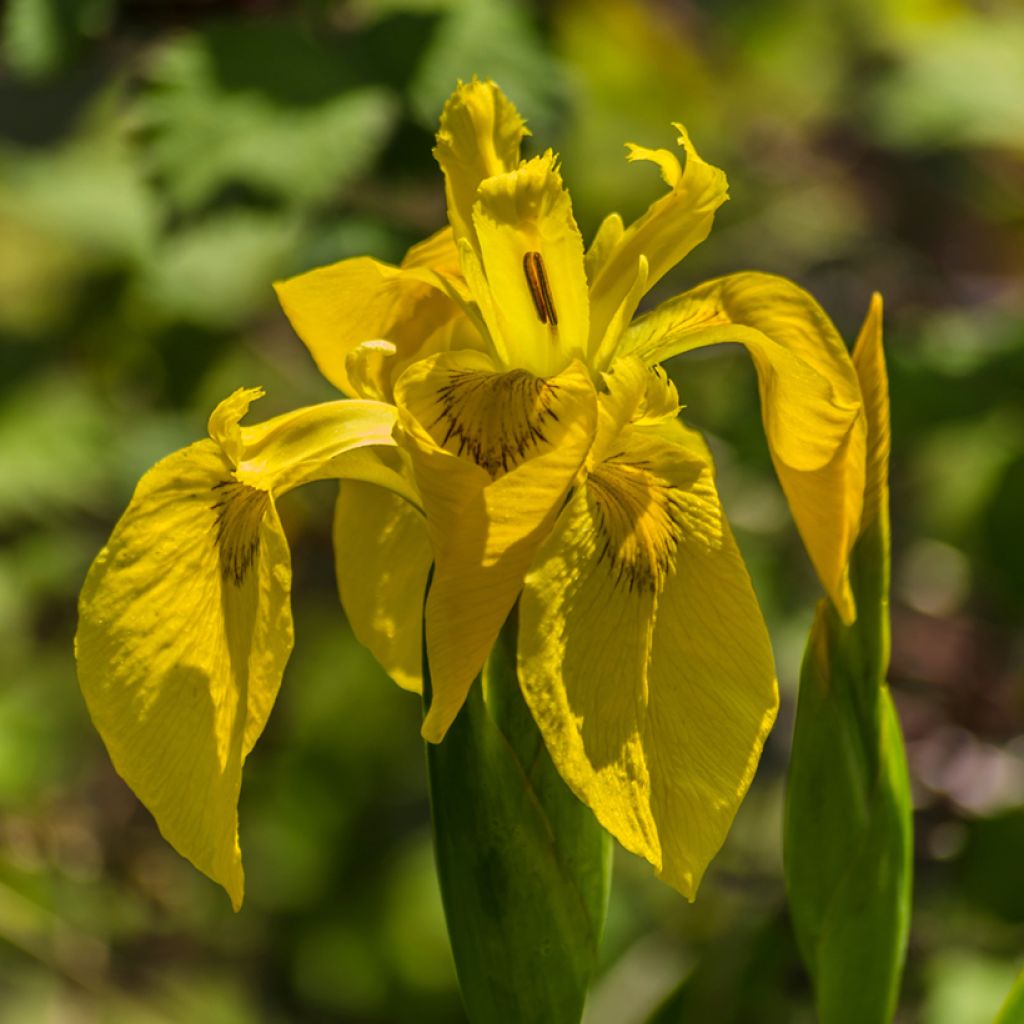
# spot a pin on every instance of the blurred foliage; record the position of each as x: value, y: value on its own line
x: 161, y: 163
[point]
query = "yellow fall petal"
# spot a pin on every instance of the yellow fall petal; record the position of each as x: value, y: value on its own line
x: 382, y: 554
x: 181, y: 645
x: 493, y: 454
x: 810, y: 400
x: 644, y: 658
x: 336, y: 308
x: 479, y: 136
x: 531, y: 253
x: 184, y: 621
x: 670, y: 228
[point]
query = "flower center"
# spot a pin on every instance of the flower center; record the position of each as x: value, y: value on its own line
x: 239, y: 509
x: 494, y: 418
x: 640, y: 517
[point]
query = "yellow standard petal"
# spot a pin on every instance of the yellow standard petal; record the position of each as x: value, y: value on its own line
x: 531, y: 252
x: 670, y: 228
x: 493, y: 453
x: 810, y: 400
x: 643, y: 655
x: 335, y: 309
x: 184, y: 621
x: 479, y: 136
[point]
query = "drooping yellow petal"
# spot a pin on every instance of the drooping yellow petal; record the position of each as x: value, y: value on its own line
x: 644, y: 658
x: 531, y: 253
x: 182, y: 640
x: 810, y: 400
x: 670, y: 228
x: 382, y: 554
x: 336, y: 308
x: 184, y: 622
x: 493, y: 454
x: 479, y: 136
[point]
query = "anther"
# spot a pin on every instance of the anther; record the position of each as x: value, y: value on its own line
x: 540, y: 290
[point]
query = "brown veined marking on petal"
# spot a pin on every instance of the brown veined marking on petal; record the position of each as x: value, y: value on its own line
x: 495, y: 418
x: 537, y: 279
x: 640, y: 518
x: 239, y: 509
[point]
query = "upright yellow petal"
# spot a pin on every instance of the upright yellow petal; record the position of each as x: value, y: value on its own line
x: 810, y: 400
x: 479, y: 136
x: 643, y: 655
x: 670, y: 228
x: 184, y: 623
x: 335, y: 309
x: 437, y: 254
x: 382, y: 554
x: 493, y: 454
x: 605, y: 241
x: 531, y: 253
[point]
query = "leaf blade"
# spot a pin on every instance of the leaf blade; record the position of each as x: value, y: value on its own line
x: 524, y: 867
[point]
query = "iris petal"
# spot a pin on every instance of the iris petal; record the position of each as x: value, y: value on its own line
x: 382, y: 555
x: 184, y: 622
x: 336, y: 308
x: 810, y: 400
x: 532, y: 256
x: 493, y: 454
x: 479, y: 136
x: 644, y: 658
x: 670, y: 228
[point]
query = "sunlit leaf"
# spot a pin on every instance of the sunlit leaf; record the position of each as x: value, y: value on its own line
x: 1012, y: 1011
x: 967, y: 986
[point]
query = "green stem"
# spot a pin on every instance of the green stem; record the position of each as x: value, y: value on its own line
x: 524, y: 867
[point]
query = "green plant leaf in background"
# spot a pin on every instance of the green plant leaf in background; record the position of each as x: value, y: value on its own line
x: 491, y: 39
x: 848, y: 837
x: 1012, y: 1011
x: 40, y: 35
x: 263, y: 106
x: 524, y: 866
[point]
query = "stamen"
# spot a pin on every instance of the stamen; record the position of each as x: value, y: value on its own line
x: 640, y: 517
x: 239, y: 511
x: 540, y: 290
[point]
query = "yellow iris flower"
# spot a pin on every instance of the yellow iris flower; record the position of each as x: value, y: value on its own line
x: 509, y: 425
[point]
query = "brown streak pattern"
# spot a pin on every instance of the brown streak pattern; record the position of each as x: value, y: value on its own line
x: 240, y: 510
x: 640, y: 519
x: 494, y: 418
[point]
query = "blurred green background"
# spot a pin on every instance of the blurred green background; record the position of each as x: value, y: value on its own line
x: 161, y: 163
